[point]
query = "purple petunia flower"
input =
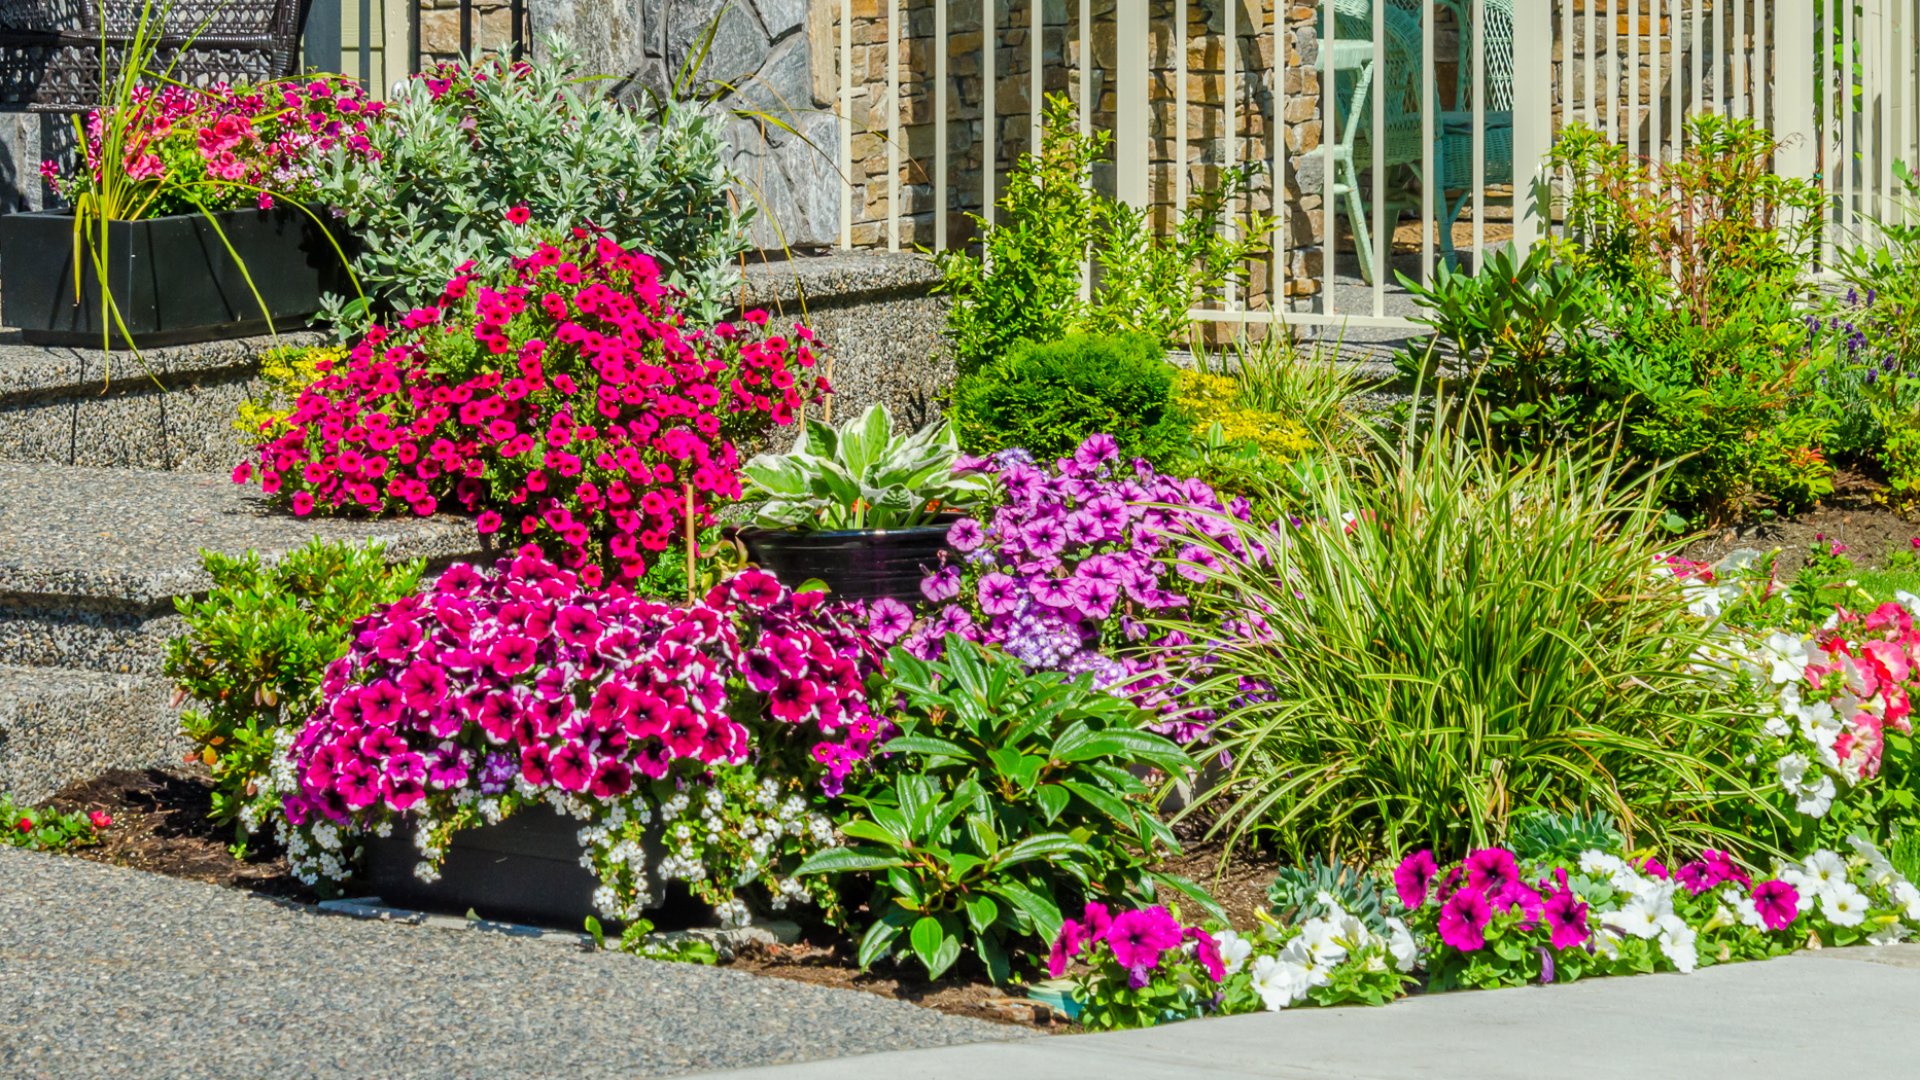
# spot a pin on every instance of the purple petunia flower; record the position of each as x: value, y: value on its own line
x: 965, y: 535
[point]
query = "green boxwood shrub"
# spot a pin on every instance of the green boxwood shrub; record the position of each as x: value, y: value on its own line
x: 1046, y: 398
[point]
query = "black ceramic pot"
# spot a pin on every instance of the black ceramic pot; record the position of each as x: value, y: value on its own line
x: 525, y: 869
x: 856, y: 564
x: 172, y: 278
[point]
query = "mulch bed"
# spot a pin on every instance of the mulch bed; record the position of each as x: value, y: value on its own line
x: 1857, y: 514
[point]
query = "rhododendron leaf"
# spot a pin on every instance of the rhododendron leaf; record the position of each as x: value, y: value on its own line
x: 847, y: 860
x: 878, y: 939
x: 962, y: 865
x: 906, y: 889
x: 936, y: 948
x: 863, y: 829
x: 918, y: 799
x: 1041, y: 846
x: 981, y: 911
x: 994, y: 955
x: 980, y: 831
x: 924, y: 744
x: 1053, y: 798
x: 1040, y: 911
x: 1138, y: 745
x: 1100, y: 799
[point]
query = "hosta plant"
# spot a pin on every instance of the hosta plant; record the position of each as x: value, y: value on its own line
x: 1013, y: 793
x: 859, y: 475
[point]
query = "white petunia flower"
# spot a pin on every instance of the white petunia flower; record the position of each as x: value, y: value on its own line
x: 1844, y: 905
x: 1234, y: 950
x: 1787, y: 657
x: 1678, y: 942
x: 1401, y: 946
x: 1908, y: 897
x: 1891, y: 934
x: 1279, y: 982
x: 1825, y: 872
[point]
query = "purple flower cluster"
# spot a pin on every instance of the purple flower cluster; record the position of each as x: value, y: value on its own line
x: 1063, y: 567
x: 521, y: 679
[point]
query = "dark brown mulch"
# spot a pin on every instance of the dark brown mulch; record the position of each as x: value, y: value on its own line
x: 958, y: 995
x: 1858, y: 514
x: 161, y: 825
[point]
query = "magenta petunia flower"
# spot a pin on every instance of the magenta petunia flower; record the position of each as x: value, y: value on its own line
x: 511, y: 655
x: 1566, y: 918
x: 1207, y: 951
x: 888, y: 620
x: 576, y: 626
x: 999, y: 594
x: 941, y: 585
x: 358, y: 784
x: 1463, y: 920
x: 1097, y: 921
x: 1778, y: 904
x: 965, y: 535
x: 1066, y: 946
x: 423, y: 685
x: 1139, y: 937
x: 1413, y: 878
x: 573, y: 767
x: 1055, y: 592
x: 1491, y: 870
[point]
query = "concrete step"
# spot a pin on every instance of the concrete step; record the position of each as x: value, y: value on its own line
x: 58, y: 726
x: 91, y: 559
x: 169, y: 408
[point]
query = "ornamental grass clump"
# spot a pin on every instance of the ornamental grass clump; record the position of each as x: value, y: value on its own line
x: 1445, y: 634
x: 570, y: 405
x: 490, y: 692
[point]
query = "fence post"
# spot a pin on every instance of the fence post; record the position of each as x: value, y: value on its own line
x: 1131, y: 119
x: 1532, y: 120
x: 1793, y: 98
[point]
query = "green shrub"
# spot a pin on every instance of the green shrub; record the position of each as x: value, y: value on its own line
x: 1024, y: 282
x: 1013, y: 794
x: 1046, y: 398
x: 1451, y: 634
x: 460, y: 146
x: 255, y: 648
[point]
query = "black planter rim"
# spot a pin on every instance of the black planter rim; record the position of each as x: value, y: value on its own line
x: 940, y: 524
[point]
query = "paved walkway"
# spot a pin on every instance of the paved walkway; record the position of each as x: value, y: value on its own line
x: 112, y: 972
x: 1842, y: 1013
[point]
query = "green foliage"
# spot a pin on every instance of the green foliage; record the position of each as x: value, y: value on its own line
x: 1517, y: 328
x: 1046, y: 398
x: 253, y: 653
x: 44, y: 830
x: 1024, y: 284
x: 1325, y: 888
x: 1538, y: 834
x: 639, y: 939
x: 861, y: 476
x: 1698, y: 231
x: 1014, y: 793
x: 1450, y: 634
x: 448, y: 165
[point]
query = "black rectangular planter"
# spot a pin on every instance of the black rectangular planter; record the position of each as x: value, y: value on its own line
x: 524, y: 869
x: 172, y: 277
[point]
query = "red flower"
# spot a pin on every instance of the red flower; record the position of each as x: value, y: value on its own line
x: 99, y: 819
x: 25, y: 825
x: 519, y: 215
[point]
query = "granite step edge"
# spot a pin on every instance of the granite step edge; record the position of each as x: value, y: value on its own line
x: 61, y: 725
x: 30, y: 372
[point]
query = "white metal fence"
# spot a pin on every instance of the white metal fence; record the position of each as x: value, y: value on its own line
x: 1492, y: 82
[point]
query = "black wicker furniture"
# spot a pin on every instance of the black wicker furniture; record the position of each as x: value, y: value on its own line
x: 50, y: 49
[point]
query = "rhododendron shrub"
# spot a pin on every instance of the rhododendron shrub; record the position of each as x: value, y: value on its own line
x: 491, y: 691
x: 221, y: 147
x: 1069, y: 567
x: 571, y: 406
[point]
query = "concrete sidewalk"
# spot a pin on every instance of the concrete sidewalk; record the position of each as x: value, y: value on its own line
x: 1840, y: 1013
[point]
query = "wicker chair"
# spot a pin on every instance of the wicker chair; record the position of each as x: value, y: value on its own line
x: 50, y: 49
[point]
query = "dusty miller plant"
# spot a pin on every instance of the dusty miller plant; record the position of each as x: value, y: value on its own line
x: 460, y: 146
